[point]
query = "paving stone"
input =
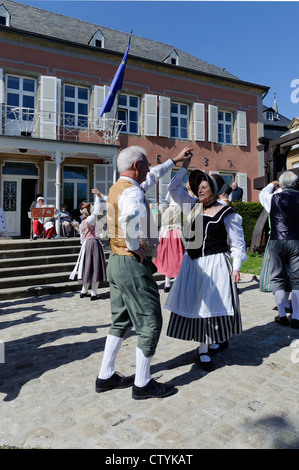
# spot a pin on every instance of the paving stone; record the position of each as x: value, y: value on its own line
x: 53, y: 350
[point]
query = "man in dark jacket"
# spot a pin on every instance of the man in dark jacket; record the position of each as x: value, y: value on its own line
x: 283, y: 207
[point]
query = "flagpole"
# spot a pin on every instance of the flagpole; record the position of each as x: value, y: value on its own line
x: 117, y: 96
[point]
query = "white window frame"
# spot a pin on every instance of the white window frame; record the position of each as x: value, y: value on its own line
x: 13, y: 124
x: 128, y: 108
x: 226, y: 123
x: 180, y: 116
x: 76, y: 100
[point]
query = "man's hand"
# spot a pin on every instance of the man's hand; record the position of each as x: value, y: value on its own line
x: 185, y: 154
x: 276, y: 184
x: 98, y: 193
x: 140, y: 253
x: 236, y: 276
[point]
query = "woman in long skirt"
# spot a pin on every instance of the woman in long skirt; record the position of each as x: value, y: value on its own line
x: 91, y: 263
x: 170, y: 250
x: 204, y: 301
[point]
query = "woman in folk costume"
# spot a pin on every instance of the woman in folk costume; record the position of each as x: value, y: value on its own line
x: 44, y: 224
x: 91, y: 263
x: 204, y: 300
x: 170, y: 250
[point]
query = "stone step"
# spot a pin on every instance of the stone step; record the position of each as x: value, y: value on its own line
x: 40, y: 289
x: 37, y: 260
x: 32, y: 270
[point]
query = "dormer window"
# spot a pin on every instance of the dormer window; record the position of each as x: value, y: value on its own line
x: 173, y: 58
x: 4, y: 16
x: 98, y: 40
x: 270, y: 116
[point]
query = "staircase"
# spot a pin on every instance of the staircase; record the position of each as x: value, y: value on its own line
x: 30, y: 268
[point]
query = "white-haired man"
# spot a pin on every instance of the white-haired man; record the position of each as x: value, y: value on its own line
x: 134, y: 294
x: 283, y: 207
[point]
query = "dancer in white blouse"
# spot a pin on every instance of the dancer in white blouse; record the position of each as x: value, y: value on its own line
x: 204, y: 300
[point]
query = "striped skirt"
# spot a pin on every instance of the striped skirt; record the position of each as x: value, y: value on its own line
x: 211, y: 329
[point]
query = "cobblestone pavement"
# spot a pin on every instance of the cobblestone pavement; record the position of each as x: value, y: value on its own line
x: 53, y: 348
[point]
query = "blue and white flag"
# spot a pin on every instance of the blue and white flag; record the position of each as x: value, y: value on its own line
x: 116, y: 84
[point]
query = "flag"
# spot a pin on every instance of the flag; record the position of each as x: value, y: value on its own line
x: 116, y: 84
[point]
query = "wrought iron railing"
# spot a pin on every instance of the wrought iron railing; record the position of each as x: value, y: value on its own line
x: 60, y: 126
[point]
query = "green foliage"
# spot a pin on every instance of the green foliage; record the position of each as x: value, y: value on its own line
x: 253, y: 264
x: 250, y: 212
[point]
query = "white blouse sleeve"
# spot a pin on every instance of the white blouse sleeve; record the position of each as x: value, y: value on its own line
x: 265, y: 196
x: 233, y: 225
x: 92, y: 219
x: 179, y: 194
x: 131, y: 208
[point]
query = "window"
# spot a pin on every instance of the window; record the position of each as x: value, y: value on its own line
x: 270, y: 116
x: 76, y: 104
x: 128, y: 112
x: 98, y: 39
x: 225, y: 127
x: 20, y: 93
x: 4, y: 16
x: 179, y: 120
x: 75, y: 185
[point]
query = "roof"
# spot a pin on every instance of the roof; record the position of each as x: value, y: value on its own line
x: 54, y: 25
x: 274, y: 129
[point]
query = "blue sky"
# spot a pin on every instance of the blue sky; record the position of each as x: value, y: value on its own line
x: 256, y: 41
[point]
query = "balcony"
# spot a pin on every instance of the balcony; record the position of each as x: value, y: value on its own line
x: 39, y: 124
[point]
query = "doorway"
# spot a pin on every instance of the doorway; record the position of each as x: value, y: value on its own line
x: 28, y: 195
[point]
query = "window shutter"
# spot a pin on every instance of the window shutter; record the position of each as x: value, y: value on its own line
x: 112, y: 113
x: 242, y: 182
x: 213, y: 123
x: 150, y: 115
x: 103, y: 177
x: 199, y: 121
x: 242, y: 128
x: 1, y: 98
x: 99, y: 97
x: 50, y: 183
x: 164, y: 116
x: 58, y: 105
x: 48, y: 107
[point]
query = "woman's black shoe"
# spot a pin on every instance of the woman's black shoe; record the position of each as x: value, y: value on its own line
x: 84, y: 295
x: 222, y: 346
x: 167, y: 289
x: 206, y: 366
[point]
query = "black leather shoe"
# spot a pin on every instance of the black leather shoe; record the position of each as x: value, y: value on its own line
x: 117, y: 380
x: 84, y: 295
x: 95, y: 297
x: 294, y: 323
x: 206, y: 366
x: 167, y: 289
x: 153, y: 390
x: 221, y: 347
x: 283, y: 321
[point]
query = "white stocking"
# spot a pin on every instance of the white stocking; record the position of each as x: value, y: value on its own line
x: 94, y: 288
x: 112, y: 346
x: 280, y: 302
x: 84, y: 289
x: 295, y: 304
x: 142, y: 376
